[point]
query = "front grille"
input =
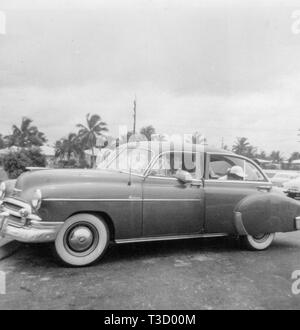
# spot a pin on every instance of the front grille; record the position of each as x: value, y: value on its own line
x: 12, y: 207
x: 15, y: 221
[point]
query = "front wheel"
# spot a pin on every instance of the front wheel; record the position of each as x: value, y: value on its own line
x: 82, y: 240
x: 257, y: 243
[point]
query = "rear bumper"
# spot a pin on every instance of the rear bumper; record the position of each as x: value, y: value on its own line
x: 30, y: 229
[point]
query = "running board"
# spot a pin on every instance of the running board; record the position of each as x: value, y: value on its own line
x: 167, y: 238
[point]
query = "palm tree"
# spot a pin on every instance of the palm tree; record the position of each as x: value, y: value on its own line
x: 160, y: 138
x: 276, y: 157
x: 26, y: 135
x: 262, y: 155
x: 148, y: 131
x: 294, y: 156
x: 67, y: 147
x: 198, y: 138
x: 88, y: 134
x: 243, y: 147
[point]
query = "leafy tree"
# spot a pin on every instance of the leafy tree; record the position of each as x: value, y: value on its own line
x: 276, y: 157
x: 244, y: 148
x: 15, y: 163
x: 88, y: 133
x: 294, y: 156
x: 148, y: 131
x: 26, y: 135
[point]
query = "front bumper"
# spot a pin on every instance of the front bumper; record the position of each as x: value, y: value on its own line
x: 25, y: 226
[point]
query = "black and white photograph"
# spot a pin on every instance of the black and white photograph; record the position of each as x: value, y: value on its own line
x: 149, y: 157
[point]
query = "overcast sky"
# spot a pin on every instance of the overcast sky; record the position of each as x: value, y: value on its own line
x: 224, y: 68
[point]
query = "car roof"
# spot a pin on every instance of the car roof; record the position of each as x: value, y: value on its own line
x: 159, y: 147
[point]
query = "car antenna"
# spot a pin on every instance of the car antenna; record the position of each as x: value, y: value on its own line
x: 130, y: 175
x: 130, y: 171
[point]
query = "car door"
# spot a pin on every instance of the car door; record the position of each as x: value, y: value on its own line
x: 222, y: 193
x: 171, y: 207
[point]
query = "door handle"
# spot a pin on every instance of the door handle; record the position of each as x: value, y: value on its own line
x: 264, y: 188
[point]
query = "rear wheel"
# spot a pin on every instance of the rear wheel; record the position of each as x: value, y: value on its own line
x: 258, y: 242
x: 82, y: 240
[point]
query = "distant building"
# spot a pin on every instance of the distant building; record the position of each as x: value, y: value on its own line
x: 49, y: 153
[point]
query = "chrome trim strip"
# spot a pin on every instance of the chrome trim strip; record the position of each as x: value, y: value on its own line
x: 92, y: 200
x: 172, y: 200
x: 239, y: 181
x: 122, y: 200
x: 239, y: 225
x: 168, y: 238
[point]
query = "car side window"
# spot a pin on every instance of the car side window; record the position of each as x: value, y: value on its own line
x: 223, y: 167
x: 169, y: 163
x: 253, y: 173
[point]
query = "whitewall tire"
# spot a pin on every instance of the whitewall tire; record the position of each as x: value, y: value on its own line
x: 257, y: 243
x: 82, y: 240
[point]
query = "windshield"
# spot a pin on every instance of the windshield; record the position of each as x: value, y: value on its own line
x: 135, y: 159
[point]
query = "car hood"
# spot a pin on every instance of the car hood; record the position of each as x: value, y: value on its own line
x: 51, y: 180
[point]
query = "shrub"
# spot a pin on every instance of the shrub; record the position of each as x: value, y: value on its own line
x: 15, y: 163
x: 72, y: 163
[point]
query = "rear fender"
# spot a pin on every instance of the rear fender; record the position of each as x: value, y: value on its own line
x: 266, y: 213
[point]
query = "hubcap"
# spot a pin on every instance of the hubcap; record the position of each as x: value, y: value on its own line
x: 80, y: 239
x: 261, y: 238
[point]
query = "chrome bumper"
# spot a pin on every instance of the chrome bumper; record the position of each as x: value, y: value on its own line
x: 28, y: 229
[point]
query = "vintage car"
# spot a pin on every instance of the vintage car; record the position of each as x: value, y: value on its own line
x: 280, y: 178
x: 147, y: 192
x: 292, y: 188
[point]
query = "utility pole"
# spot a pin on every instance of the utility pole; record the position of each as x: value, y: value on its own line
x: 298, y: 134
x: 222, y: 143
x: 134, y: 116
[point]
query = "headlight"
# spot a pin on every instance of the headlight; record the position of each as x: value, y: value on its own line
x: 36, y: 199
x: 2, y: 190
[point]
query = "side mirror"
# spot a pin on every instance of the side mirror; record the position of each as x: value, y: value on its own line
x: 183, y: 176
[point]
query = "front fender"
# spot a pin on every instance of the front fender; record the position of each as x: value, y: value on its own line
x: 266, y: 213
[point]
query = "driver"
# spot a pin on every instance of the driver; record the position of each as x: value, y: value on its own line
x: 234, y: 173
